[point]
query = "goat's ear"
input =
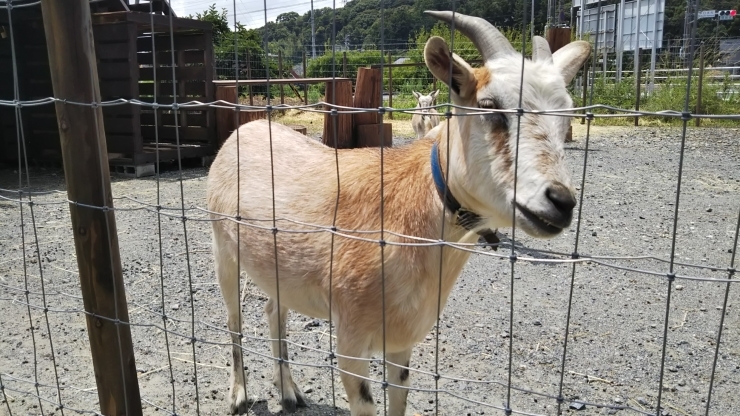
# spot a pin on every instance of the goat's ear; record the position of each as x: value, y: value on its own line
x: 416, y: 94
x: 570, y: 58
x: 437, y: 57
x: 541, y: 49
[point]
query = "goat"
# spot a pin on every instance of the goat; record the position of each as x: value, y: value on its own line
x: 429, y: 119
x: 289, y: 177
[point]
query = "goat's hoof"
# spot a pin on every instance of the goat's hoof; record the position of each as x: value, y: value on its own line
x: 239, y: 408
x: 300, y: 400
x: 239, y: 404
x: 289, y: 405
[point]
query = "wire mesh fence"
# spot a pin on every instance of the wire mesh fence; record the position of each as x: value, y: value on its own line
x: 632, y: 312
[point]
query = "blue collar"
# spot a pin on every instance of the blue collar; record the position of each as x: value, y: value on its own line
x: 467, y: 219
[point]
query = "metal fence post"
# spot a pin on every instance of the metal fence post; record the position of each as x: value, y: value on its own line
x: 305, y: 75
x: 638, y: 81
x: 390, y: 85
x: 74, y: 77
x: 697, y: 120
x: 280, y: 70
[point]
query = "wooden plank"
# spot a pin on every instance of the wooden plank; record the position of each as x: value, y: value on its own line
x: 116, y: 33
x: 167, y: 100
x: 369, y: 135
x: 161, y: 21
x: 68, y: 27
x: 194, y: 119
x: 116, y: 70
x: 112, y: 51
x: 278, y: 81
x: 225, y: 118
x: 162, y: 42
x: 339, y: 93
x: 120, y: 143
x: 184, y: 73
x: 112, y: 89
x: 367, y: 95
x: 210, y: 113
x: 197, y: 88
x: 116, y: 125
x: 170, y: 133
x: 165, y: 58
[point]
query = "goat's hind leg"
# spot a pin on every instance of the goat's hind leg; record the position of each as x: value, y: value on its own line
x: 228, y: 279
x: 398, y: 377
x: 282, y: 379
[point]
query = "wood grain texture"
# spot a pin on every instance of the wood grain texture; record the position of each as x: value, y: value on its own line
x: 74, y: 74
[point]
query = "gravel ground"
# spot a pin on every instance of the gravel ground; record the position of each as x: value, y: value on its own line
x: 617, y: 319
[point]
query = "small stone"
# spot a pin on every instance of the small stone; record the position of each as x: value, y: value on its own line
x: 537, y: 323
x: 642, y: 401
x: 312, y: 323
x: 577, y: 406
x: 709, y: 209
x: 175, y: 306
x: 593, y: 233
x: 618, y: 400
x: 308, y: 390
x: 679, y: 287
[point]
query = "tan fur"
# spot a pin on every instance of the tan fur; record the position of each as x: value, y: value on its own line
x: 283, y: 187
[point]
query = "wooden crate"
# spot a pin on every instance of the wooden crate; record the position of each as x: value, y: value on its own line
x: 133, y: 63
x: 126, y: 69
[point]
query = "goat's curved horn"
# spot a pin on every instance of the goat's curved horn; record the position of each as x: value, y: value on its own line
x: 486, y: 38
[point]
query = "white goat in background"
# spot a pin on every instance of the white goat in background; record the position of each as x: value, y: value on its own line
x: 480, y: 188
x: 429, y: 118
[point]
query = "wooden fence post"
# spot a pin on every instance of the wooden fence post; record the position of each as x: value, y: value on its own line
x: 369, y: 94
x: 338, y: 93
x: 697, y: 120
x: 74, y: 77
x: 280, y: 69
x: 390, y: 85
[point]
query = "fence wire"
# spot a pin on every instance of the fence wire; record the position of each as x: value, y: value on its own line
x: 34, y: 295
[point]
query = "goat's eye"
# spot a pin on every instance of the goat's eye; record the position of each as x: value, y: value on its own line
x: 498, y: 119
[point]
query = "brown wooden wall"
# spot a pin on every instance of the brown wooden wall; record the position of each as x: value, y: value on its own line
x: 125, y: 70
x: 193, y: 70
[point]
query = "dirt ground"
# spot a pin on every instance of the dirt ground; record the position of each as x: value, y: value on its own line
x: 616, y: 322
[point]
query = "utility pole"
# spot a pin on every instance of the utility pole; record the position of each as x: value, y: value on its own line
x: 313, y: 34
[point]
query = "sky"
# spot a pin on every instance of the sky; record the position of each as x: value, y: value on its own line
x: 251, y: 13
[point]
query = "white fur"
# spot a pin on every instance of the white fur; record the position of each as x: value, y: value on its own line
x: 310, y: 263
x: 429, y: 119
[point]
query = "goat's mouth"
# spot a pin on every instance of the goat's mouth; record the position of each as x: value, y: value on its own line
x: 541, y: 225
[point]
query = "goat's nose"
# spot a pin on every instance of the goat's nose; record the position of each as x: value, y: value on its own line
x: 561, y: 197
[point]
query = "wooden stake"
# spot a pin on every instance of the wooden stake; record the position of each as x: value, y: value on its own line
x: 339, y: 93
x: 74, y: 77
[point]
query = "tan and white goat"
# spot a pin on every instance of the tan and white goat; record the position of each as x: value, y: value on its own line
x: 480, y: 181
x: 429, y: 118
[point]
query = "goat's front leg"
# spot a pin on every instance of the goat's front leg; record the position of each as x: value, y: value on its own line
x: 228, y: 278
x: 399, y: 377
x: 290, y: 393
x: 358, y: 389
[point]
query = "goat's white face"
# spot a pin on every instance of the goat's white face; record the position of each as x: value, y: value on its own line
x: 485, y: 149
x: 423, y: 101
